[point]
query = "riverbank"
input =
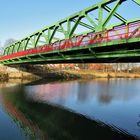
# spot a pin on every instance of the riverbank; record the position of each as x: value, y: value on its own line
x: 90, y: 74
x: 36, y: 72
x: 33, y: 73
x: 7, y: 73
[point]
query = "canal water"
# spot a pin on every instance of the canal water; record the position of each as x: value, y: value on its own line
x: 71, y: 110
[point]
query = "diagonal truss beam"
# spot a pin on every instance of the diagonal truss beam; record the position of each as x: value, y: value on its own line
x: 50, y: 33
x: 84, y: 24
x: 137, y: 2
x: 115, y: 14
x: 113, y: 10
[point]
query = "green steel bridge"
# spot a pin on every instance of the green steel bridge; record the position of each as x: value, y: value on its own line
x: 96, y: 34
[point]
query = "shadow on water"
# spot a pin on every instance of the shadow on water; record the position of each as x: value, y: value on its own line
x: 44, y: 81
x: 44, y: 121
x: 138, y: 123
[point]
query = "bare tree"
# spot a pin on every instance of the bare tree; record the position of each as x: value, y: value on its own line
x: 9, y: 42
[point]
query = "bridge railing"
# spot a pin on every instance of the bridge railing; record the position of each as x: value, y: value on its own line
x: 131, y: 30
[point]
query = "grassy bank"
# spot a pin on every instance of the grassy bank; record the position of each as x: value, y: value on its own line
x: 90, y: 74
x: 33, y: 73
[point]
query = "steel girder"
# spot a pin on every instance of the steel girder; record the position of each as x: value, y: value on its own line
x: 66, y: 28
x: 137, y: 1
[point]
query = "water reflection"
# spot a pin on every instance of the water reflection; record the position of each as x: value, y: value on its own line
x: 39, y: 111
x: 83, y: 91
x: 114, y: 102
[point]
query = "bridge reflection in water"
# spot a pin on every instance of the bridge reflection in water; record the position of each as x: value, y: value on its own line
x: 75, y: 110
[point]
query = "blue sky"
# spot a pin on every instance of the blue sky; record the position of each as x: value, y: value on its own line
x: 19, y: 18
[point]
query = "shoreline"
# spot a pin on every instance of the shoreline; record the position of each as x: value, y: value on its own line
x: 91, y: 74
x: 9, y: 73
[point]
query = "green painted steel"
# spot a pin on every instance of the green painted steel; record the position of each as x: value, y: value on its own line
x: 87, y: 54
x: 137, y: 1
x: 70, y: 27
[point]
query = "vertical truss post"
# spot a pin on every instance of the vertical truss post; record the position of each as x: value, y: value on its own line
x: 51, y: 35
x: 68, y: 28
x: 6, y: 51
x: 37, y: 39
x: 100, y: 19
x: 27, y: 41
x: 19, y: 43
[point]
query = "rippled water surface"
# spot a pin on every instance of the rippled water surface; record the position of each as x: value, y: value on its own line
x: 75, y: 110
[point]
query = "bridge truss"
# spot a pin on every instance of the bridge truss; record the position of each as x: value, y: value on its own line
x: 77, y: 37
